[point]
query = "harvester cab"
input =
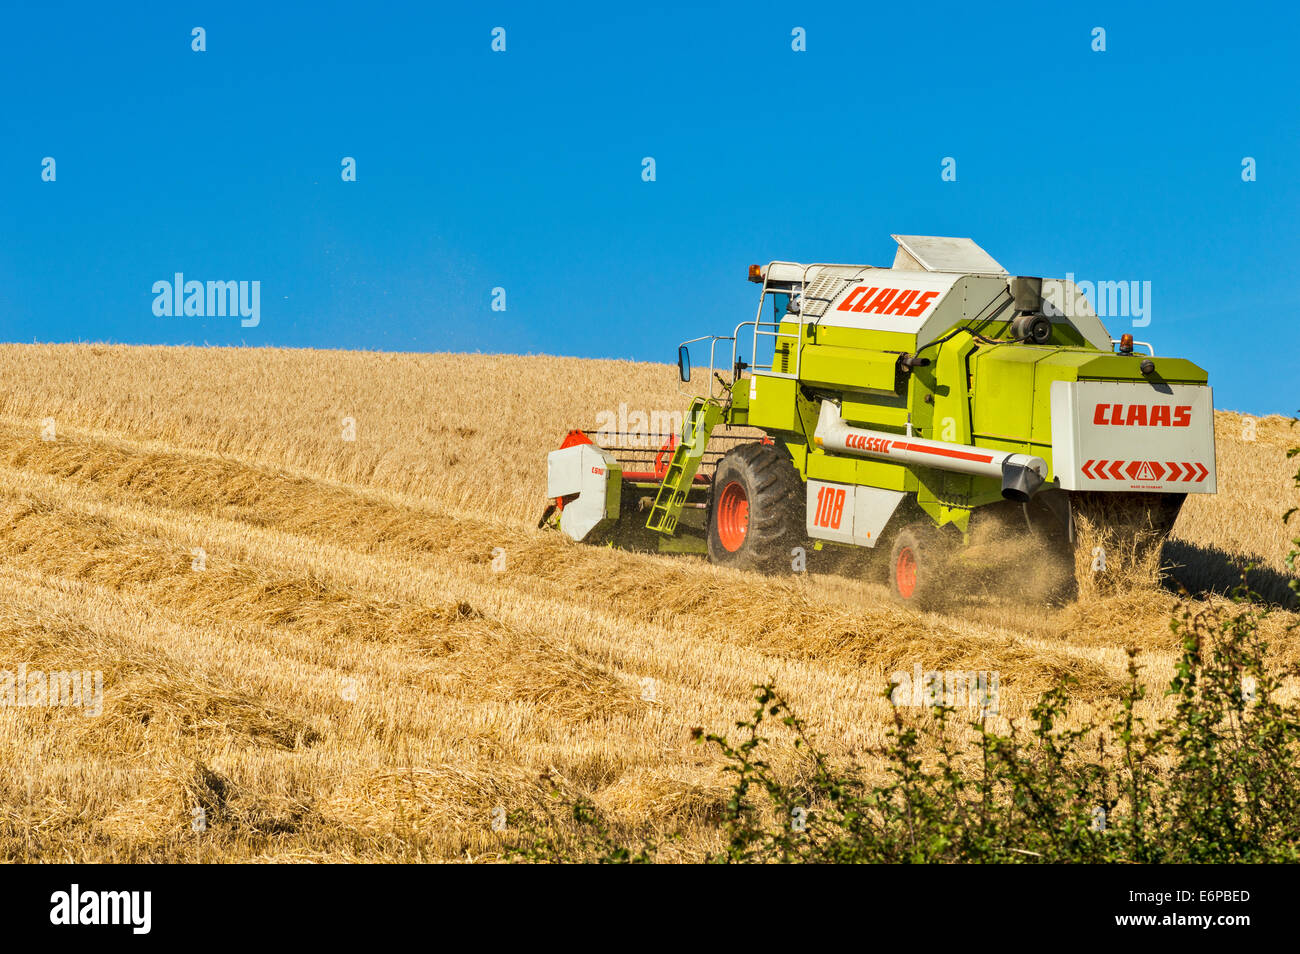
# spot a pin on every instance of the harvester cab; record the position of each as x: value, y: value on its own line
x: 885, y: 408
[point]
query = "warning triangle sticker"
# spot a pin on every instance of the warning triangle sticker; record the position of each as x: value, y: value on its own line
x: 1145, y: 472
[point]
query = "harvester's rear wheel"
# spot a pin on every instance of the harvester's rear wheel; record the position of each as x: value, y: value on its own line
x: 918, y: 564
x: 756, y: 509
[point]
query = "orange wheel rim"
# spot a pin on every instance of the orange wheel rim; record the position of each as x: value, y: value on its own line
x: 733, y: 516
x: 905, y: 573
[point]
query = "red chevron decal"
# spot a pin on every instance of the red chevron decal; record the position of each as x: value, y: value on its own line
x: 1146, y: 471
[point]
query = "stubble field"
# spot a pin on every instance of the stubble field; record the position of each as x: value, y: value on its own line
x: 317, y: 648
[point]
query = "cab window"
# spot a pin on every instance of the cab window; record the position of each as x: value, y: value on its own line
x: 780, y: 306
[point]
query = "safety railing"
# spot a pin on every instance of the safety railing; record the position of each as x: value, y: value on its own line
x: 763, y: 329
x: 769, y: 329
x: 713, y: 346
x: 772, y: 329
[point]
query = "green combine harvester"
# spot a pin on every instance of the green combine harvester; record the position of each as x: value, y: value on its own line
x: 885, y: 408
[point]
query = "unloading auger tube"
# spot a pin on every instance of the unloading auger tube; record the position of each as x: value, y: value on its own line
x: 1022, y: 475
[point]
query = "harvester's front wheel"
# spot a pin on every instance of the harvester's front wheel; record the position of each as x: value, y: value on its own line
x: 756, y: 510
x: 918, y: 564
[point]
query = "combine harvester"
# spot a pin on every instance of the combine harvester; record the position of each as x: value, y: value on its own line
x: 889, y: 407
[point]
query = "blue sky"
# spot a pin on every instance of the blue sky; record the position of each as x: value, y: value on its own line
x: 523, y: 169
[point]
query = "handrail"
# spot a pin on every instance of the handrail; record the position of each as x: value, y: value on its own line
x: 713, y: 344
x: 800, y: 337
x: 761, y: 328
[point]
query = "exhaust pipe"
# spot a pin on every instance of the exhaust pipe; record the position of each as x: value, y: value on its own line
x: 1022, y: 475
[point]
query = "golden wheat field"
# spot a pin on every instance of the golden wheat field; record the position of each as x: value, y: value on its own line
x: 317, y: 648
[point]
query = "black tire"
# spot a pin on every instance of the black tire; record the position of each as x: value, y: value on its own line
x: 761, y: 481
x: 918, y: 565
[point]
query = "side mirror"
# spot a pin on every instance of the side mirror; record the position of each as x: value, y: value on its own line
x: 684, y: 363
